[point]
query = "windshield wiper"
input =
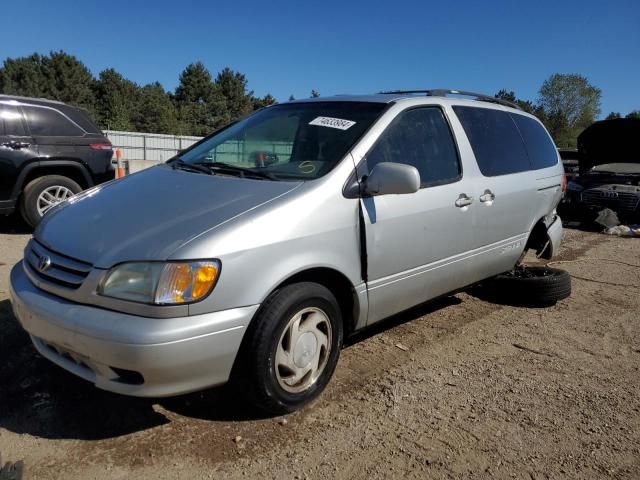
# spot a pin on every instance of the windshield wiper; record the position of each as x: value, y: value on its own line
x: 235, y: 170
x: 182, y: 165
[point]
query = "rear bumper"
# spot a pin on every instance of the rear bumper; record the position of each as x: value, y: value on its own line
x: 172, y: 355
x: 554, y: 232
x: 7, y: 207
x: 99, y: 178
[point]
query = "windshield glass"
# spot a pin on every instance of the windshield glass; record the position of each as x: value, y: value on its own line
x: 289, y: 141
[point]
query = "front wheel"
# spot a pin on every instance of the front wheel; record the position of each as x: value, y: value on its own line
x: 43, y: 193
x: 292, y: 348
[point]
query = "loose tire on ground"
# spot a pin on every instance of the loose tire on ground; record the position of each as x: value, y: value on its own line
x: 35, y: 188
x: 529, y: 286
x: 255, y: 374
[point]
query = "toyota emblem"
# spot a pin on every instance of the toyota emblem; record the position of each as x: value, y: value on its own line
x: 44, y: 263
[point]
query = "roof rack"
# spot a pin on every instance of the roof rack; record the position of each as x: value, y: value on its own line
x: 440, y: 92
x: 37, y: 99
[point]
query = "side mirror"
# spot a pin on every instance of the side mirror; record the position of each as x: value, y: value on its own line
x: 388, y: 178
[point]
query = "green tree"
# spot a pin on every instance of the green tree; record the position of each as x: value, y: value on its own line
x: 201, y: 107
x: 613, y: 115
x: 526, y: 105
x: 633, y: 114
x: 571, y: 104
x: 69, y: 80
x: 23, y: 76
x: 155, y: 112
x: 314, y: 94
x: 58, y: 76
x: 265, y: 101
x: 116, y: 100
x: 291, y: 98
x: 233, y: 87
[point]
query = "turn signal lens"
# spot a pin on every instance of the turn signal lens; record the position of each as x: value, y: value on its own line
x: 203, y: 281
x: 186, y: 282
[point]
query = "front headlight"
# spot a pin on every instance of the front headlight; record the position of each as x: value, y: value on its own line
x: 171, y: 283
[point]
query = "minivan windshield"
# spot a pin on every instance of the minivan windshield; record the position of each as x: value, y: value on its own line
x: 299, y: 141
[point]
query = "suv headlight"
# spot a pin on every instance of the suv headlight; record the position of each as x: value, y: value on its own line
x: 171, y: 283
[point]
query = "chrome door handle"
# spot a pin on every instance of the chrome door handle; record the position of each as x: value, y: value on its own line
x: 464, y: 200
x: 487, y: 197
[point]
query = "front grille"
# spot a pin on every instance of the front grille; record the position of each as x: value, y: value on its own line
x: 55, y: 268
x: 65, y: 354
x: 623, y: 202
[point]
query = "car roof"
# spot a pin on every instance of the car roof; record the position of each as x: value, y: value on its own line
x: 435, y: 98
x: 32, y: 100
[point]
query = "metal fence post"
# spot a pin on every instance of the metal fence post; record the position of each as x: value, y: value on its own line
x: 144, y: 146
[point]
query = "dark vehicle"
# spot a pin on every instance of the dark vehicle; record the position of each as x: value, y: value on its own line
x: 570, y: 161
x: 608, y: 171
x: 49, y: 151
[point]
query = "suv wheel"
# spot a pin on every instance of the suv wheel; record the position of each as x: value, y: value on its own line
x: 292, y: 348
x: 43, y: 193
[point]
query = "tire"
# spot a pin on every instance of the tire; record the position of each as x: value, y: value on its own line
x: 32, y: 204
x: 260, y: 377
x: 530, y: 286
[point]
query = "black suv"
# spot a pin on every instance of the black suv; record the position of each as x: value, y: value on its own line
x: 49, y: 151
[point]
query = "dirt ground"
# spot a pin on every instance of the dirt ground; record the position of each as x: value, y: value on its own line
x: 477, y: 390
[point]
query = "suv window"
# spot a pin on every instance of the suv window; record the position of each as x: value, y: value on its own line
x: 81, y: 117
x: 47, y: 122
x: 542, y: 152
x: 419, y: 137
x: 495, y: 140
x: 11, y: 121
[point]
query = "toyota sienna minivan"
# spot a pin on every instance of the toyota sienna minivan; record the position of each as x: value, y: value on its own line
x: 250, y: 256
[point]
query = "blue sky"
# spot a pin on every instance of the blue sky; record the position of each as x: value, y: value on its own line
x: 346, y: 47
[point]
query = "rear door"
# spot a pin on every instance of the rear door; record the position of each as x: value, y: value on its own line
x: 505, y: 189
x: 54, y: 132
x: 417, y: 244
x: 17, y: 149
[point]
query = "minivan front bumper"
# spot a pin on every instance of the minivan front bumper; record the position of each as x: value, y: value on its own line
x: 127, y: 354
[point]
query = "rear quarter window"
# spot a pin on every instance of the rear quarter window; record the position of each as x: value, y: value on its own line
x: 47, y: 122
x: 540, y: 148
x: 81, y: 117
x: 495, y: 140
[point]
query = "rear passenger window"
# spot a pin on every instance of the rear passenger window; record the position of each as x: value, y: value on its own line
x: 495, y: 140
x: 419, y: 137
x: 47, y: 122
x: 11, y: 121
x: 542, y: 152
x: 81, y: 117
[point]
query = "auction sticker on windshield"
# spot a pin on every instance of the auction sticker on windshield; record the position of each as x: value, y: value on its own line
x: 330, y: 122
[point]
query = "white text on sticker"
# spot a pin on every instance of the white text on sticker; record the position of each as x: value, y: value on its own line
x: 330, y: 122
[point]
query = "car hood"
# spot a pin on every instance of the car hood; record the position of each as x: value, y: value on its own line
x: 149, y: 215
x: 609, y: 141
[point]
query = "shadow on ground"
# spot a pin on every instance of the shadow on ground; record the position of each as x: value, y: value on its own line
x: 14, y: 225
x: 40, y: 399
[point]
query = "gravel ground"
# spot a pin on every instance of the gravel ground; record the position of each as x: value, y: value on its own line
x: 475, y: 390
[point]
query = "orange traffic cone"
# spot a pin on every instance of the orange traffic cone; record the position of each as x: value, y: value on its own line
x: 120, y: 170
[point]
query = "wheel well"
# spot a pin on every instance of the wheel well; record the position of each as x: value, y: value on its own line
x: 338, y: 284
x: 538, y: 239
x: 71, y: 172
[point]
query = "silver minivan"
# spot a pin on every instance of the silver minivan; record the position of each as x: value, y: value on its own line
x: 250, y: 256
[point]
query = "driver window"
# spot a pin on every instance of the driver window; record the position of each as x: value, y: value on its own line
x: 419, y: 137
